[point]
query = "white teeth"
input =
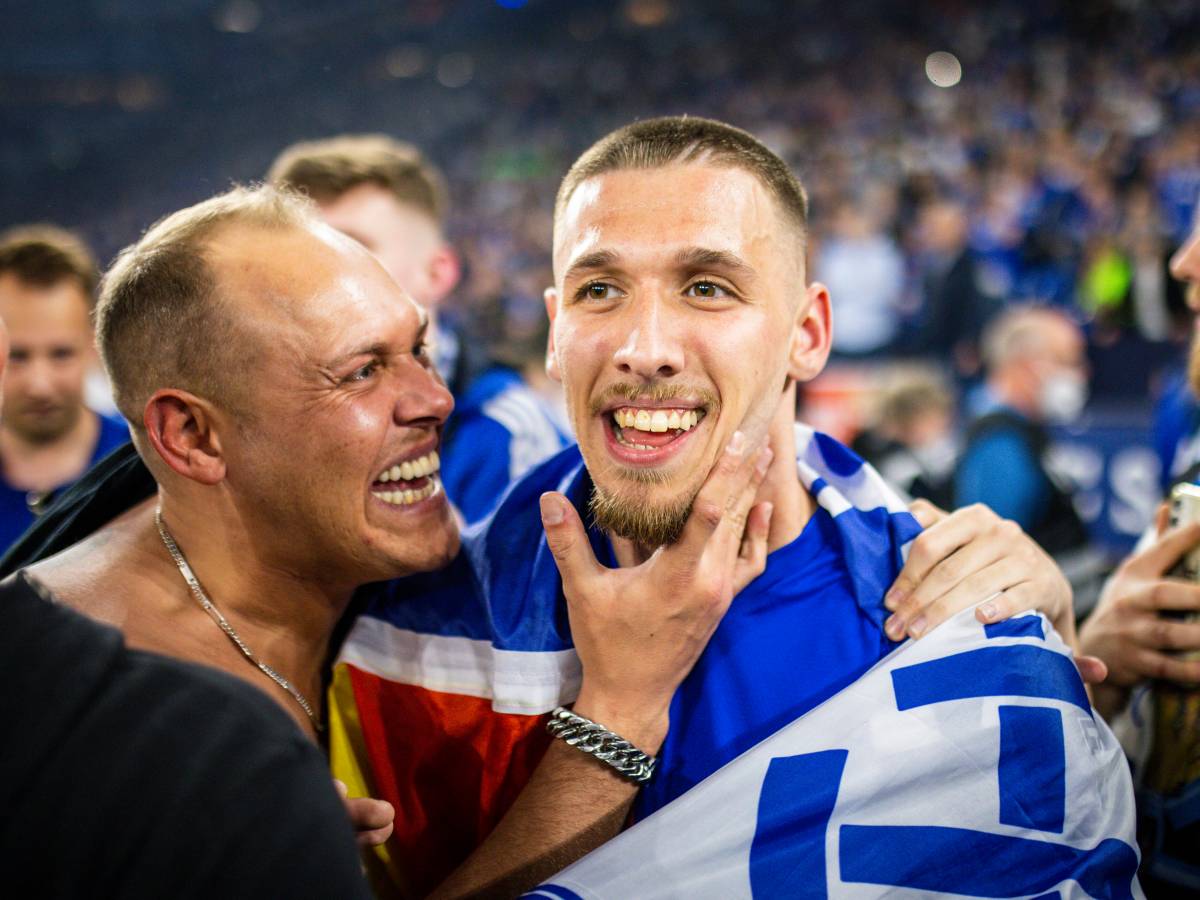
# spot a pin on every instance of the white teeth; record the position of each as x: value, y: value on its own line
x: 413, y: 468
x: 656, y: 420
x: 406, y: 498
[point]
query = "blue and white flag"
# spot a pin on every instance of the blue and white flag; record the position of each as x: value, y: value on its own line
x: 968, y: 763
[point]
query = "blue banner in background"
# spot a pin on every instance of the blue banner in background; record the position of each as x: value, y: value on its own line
x: 1111, y: 461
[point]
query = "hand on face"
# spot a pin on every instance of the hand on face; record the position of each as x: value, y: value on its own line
x: 639, y: 630
x: 1128, y: 628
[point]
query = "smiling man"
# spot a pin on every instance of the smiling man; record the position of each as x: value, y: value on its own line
x: 681, y: 313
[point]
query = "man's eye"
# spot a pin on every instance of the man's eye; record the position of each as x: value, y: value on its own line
x: 362, y: 373
x: 598, y: 290
x: 421, y: 351
x: 707, y: 290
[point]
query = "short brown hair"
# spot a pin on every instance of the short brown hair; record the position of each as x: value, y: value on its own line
x: 655, y: 143
x: 44, y: 255
x: 161, y: 320
x: 327, y: 169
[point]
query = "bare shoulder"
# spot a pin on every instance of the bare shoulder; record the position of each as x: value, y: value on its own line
x: 108, y: 574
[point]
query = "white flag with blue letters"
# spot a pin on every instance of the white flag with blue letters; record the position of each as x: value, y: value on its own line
x: 968, y: 763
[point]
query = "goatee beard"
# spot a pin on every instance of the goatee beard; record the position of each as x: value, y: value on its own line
x: 647, y: 526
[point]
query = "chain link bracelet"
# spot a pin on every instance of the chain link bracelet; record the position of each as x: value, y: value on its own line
x: 584, y: 734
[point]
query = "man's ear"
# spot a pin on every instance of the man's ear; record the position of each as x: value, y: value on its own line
x: 550, y: 295
x: 183, y: 431
x: 812, y: 334
x: 445, y: 271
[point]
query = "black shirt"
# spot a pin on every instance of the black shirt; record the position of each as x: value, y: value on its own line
x: 128, y: 774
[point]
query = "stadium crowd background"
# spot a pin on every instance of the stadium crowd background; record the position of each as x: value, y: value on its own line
x: 1054, y: 146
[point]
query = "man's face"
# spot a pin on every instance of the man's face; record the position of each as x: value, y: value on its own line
x: 674, y: 322
x: 51, y: 346
x: 338, y: 457
x: 406, y: 240
x: 1185, y: 266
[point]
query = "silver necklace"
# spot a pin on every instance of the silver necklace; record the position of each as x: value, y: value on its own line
x: 207, y: 605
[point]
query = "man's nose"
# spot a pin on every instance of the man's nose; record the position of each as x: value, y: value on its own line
x: 653, y: 347
x: 423, y: 399
x: 39, y: 377
x: 1185, y: 263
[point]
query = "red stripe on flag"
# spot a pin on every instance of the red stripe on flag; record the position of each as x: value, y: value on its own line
x: 450, y: 764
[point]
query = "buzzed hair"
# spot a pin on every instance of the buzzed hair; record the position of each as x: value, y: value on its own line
x: 326, y: 169
x: 656, y: 143
x: 44, y: 255
x: 1018, y: 332
x: 162, y: 320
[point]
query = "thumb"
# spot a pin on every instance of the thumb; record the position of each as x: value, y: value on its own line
x: 567, y: 540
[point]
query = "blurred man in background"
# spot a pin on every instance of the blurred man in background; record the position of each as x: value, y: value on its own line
x: 958, y: 303
x: 1036, y: 376
x: 393, y: 201
x: 49, y: 436
x: 911, y: 436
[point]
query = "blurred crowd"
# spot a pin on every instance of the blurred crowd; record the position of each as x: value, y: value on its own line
x: 1018, y: 164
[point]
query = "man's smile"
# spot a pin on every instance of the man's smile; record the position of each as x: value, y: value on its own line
x: 409, y: 481
x: 648, y: 434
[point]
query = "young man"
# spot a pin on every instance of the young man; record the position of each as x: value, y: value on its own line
x: 389, y: 198
x: 48, y: 437
x: 680, y: 311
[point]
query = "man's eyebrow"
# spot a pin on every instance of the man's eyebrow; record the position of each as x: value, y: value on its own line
x: 379, y: 348
x: 376, y: 349
x: 597, y: 259
x: 704, y: 258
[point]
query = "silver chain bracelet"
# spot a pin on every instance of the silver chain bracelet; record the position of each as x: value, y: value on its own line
x: 584, y: 734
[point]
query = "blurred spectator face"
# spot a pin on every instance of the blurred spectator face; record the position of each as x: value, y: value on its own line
x: 678, y: 295
x: 1061, y: 371
x: 405, y: 239
x: 1185, y: 266
x: 50, y: 350
x: 943, y: 227
x: 343, y: 393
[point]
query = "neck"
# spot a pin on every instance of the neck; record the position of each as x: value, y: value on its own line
x: 285, y: 616
x: 42, y: 465
x: 793, y: 505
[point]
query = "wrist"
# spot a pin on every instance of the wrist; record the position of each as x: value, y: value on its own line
x: 643, y: 726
